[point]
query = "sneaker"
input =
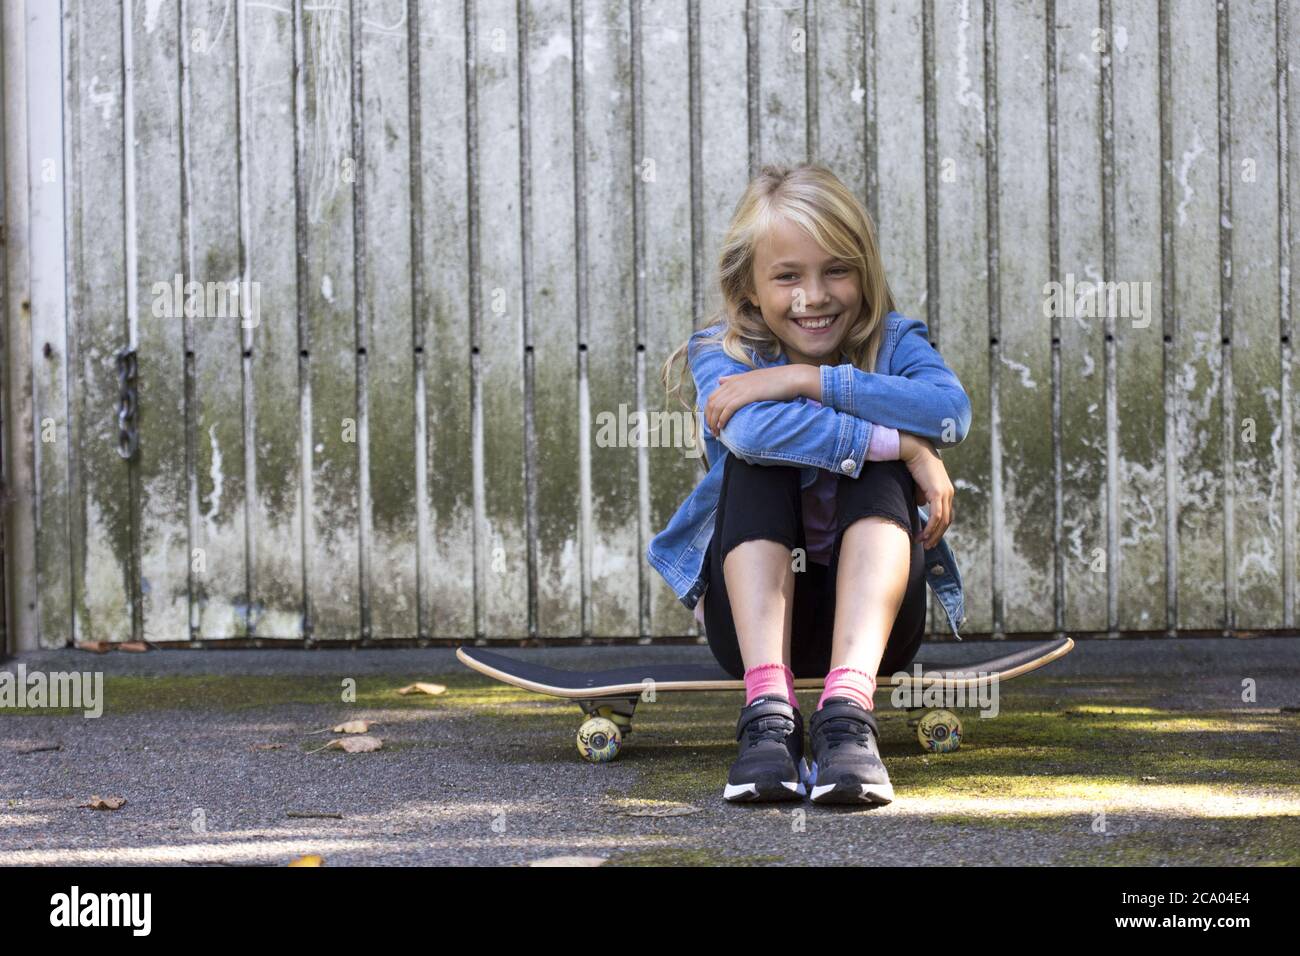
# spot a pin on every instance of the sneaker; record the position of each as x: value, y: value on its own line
x: 771, y: 764
x: 846, y: 764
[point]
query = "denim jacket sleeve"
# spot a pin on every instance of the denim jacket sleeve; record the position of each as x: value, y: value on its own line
x: 922, y: 396
x: 779, y: 433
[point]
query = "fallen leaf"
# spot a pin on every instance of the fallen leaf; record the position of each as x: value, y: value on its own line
x: 352, y: 727
x: 135, y: 647
x: 423, y: 688
x: 352, y: 745
x: 95, y: 647
x: 568, y: 861
x: 349, y: 727
x: 311, y: 859
x: 105, y: 803
x: 40, y: 747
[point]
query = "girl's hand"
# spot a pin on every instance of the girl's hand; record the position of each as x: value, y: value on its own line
x: 780, y: 383
x: 932, y: 485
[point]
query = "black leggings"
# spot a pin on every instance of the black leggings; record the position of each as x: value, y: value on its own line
x: 764, y: 501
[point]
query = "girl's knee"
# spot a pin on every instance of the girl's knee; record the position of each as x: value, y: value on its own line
x: 880, y: 518
x: 775, y: 536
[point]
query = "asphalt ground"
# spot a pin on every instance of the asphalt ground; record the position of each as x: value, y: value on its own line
x: 1134, y: 752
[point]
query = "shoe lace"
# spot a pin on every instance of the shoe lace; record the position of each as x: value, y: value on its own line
x: 840, y: 730
x: 768, y: 728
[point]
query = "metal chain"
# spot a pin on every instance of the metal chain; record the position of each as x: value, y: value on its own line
x: 127, y: 399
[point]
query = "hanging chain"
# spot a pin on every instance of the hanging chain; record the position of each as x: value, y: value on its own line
x: 127, y: 438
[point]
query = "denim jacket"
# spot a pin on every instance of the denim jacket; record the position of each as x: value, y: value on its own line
x: 912, y: 390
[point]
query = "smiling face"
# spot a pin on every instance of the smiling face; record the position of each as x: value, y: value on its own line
x: 809, y: 299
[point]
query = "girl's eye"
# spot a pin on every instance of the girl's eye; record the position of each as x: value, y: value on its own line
x: 787, y: 275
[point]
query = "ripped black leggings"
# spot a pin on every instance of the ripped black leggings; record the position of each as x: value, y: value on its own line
x: 764, y: 501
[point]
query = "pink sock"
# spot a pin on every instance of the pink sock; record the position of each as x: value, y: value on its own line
x: 851, y: 683
x: 767, y: 679
x: 789, y: 688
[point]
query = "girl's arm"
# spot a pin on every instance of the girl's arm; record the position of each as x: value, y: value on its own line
x: 779, y: 432
x: 924, y: 397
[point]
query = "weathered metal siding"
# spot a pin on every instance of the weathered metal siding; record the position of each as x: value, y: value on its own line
x: 477, y: 229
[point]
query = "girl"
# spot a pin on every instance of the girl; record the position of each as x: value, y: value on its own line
x: 805, y: 531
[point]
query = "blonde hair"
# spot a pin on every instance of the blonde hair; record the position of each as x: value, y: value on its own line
x: 811, y: 196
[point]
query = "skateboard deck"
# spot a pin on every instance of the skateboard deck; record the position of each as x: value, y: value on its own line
x: 609, y: 697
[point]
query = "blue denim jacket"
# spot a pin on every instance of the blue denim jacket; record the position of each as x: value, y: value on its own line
x: 912, y: 390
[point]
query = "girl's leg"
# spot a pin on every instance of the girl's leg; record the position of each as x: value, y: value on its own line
x: 879, y: 571
x: 748, y: 608
x: 749, y: 604
x: 879, y: 585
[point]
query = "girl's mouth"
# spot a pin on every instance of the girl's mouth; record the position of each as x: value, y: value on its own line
x: 816, y: 323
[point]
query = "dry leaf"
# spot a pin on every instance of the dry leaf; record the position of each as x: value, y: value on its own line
x: 135, y: 647
x: 350, y: 727
x: 422, y: 688
x: 352, y: 745
x: 40, y: 747
x: 95, y: 647
x: 105, y: 803
x: 568, y: 861
x: 311, y: 859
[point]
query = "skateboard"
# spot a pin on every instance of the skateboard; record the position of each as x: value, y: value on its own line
x: 608, y: 698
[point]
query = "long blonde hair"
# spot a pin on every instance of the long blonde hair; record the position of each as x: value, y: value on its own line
x: 811, y: 196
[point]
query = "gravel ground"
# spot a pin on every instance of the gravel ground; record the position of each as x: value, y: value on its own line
x: 1123, y: 752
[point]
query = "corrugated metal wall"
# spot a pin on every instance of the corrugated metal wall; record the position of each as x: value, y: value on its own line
x: 475, y: 227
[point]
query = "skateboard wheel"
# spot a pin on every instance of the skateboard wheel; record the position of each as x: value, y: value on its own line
x: 939, y: 731
x: 599, y: 739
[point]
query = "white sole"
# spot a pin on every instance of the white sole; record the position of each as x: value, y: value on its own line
x: 871, y: 792
x: 736, y: 791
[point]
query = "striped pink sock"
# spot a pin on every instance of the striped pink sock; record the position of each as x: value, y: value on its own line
x: 765, y: 679
x: 851, y: 683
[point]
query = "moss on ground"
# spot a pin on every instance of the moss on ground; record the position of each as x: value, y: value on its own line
x: 684, y: 856
x: 1214, y: 841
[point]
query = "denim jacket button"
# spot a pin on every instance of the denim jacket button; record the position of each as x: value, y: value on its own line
x: 847, y: 466
x: 936, y: 569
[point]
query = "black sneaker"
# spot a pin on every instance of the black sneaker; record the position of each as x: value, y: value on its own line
x: 771, y: 763
x: 846, y: 755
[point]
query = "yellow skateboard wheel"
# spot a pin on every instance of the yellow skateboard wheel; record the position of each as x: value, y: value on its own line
x: 939, y: 731
x: 599, y: 739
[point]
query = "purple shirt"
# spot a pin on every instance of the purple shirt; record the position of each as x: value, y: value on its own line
x: 819, y: 501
